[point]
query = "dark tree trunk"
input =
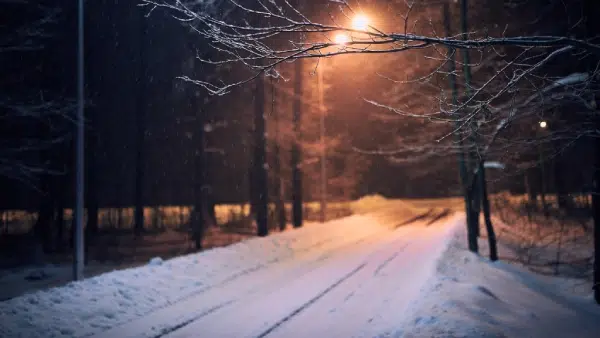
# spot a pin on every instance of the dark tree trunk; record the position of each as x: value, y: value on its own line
x: 462, y: 165
x: 260, y: 163
x: 43, y: 225
x: 61, y: 202
x: 278, y: 186
x: 42, y: 229
x: 476, y: 205
x: 543, y: 181
x: 562, y: 195
x: 489, y: 227
x: 92, y: 85
x: 200, y: 204
x: 530, y: 187
x: 199, y: 215
x: 296, y: 150
x: 473, y: 217
x: 60, y: 221
x: 592, y: 7
x: 141, y: 129
x: 212, y: 210
x: 91, y: 229
x: 475, y: 189
x: 596, y: 215
x: 44, y: 221
x: 252, y: 188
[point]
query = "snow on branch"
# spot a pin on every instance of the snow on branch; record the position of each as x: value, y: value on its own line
x: 511, y: 81
x: 263, y: 34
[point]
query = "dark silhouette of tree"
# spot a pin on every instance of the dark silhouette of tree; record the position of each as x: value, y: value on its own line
x: 260, y: 160
x: 140, y: 126
x: 34, y: 110
x: 278, y: 186
x: 296, y: 148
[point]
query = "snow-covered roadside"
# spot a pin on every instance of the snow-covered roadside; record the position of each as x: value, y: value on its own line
x: 99, y: 303
x: 472, y: 297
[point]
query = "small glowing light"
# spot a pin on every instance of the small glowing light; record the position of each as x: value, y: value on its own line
x: 341, y: 39
x: 360, y: 22
x: 543, y: 124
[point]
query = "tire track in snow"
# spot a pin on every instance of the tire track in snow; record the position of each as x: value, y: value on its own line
x: 365, y: 304
x: 311, y: 301
x: 183, y: 324
x: 290, y: 268
x: 264, y: 309
x: 373, y: 255
x: 382, y: 265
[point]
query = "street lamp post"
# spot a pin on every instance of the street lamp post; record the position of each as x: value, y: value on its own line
x: 79, y: 153
x: 359, y: 22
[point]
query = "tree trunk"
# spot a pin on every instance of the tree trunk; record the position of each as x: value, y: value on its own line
x: 42, y: 226
x: 543, y: 180
x: 260, y: 159
x: 530, y: 187
x: 562, y: 195
x: 476, y: 202
x: 42, y: 229
x: 278, y: 186
x: 198, y: 220
x: 596, y: 215
x: 462, y: 165
x: 252, y: 188
x: 61, y: 203
x: 475, y: 192
x: 489, y: 227
x: 91, y: 230
x: 296, y: 150
x: 198, y: 217
x: 60, y: 223
x: 141, y: 129
x: 212, y: 209
x: 592, y: 28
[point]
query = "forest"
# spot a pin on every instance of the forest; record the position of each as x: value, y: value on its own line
x: 199, y: 134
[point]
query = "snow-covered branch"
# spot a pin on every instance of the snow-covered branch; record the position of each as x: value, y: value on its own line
x: 264, y: 34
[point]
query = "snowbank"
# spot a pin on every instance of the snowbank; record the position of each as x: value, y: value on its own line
x: 473, y: 297
x: 368, y: 203
x: 97, y: 304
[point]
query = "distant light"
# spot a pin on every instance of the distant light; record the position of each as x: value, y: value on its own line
x: 493, y: 164
x: 543, y: 124
x: 341, y: 39
x: 360, y: 22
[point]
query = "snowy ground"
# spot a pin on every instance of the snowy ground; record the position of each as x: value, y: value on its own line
x: 361, y: 276
x: 107, y: 301
x: 469, y: 296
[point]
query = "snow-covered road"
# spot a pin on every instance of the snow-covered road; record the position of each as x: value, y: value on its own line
x: 391, y: 271
x: 356, y: 288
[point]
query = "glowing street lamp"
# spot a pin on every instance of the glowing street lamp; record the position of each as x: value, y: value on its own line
x: 543, y: 124
x: 360, y: 22
x: 341, y: 39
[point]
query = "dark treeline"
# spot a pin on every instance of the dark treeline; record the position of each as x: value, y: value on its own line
x: 145, y: 128
x: 131, y: 67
